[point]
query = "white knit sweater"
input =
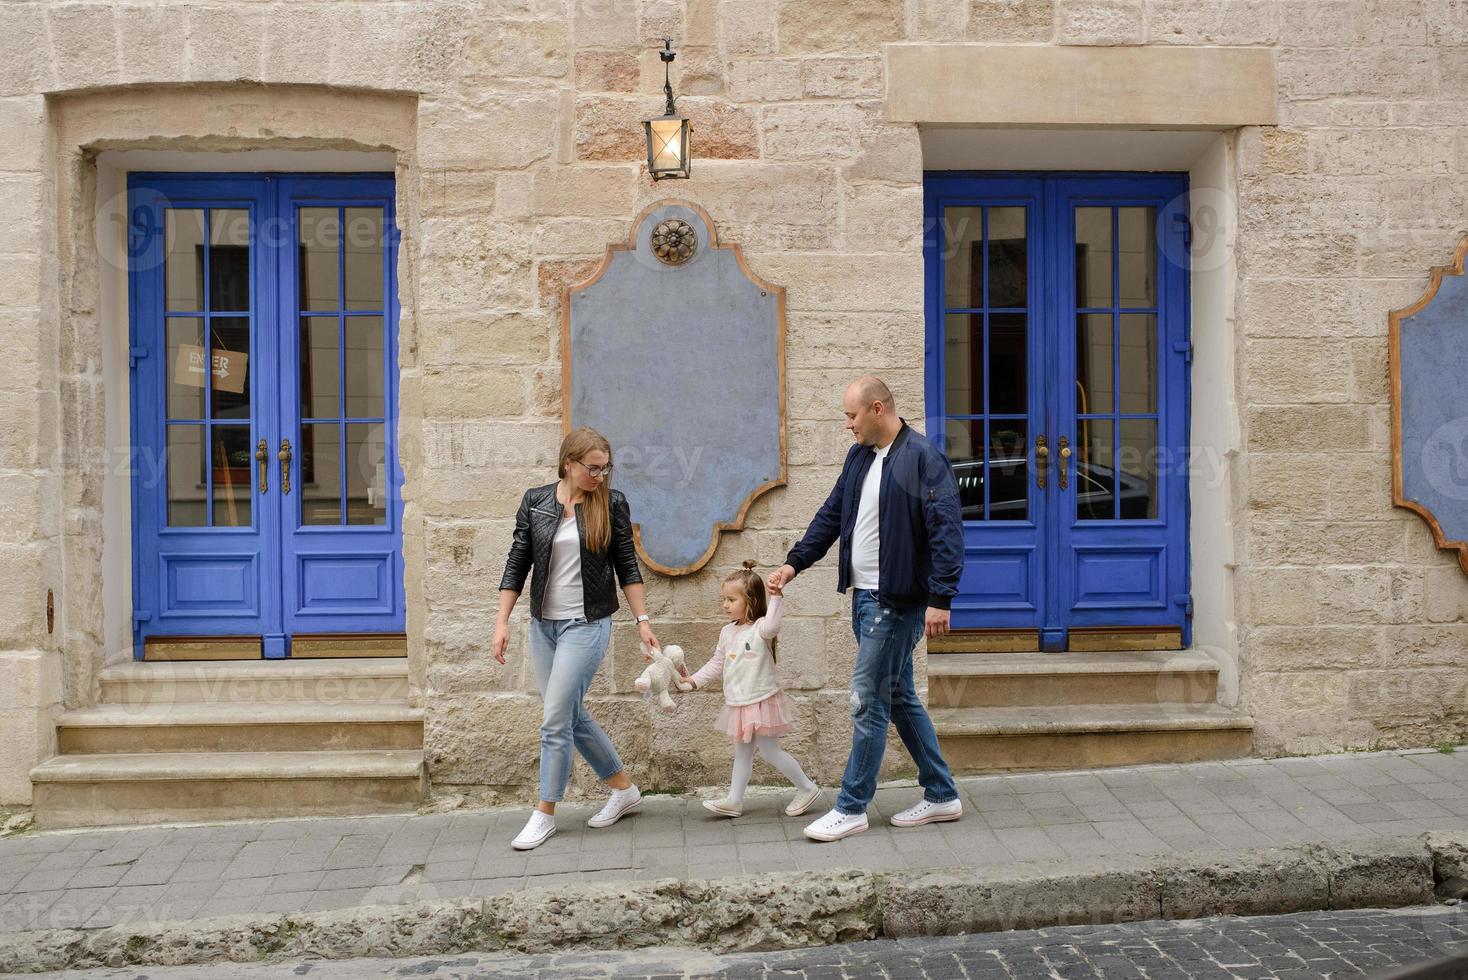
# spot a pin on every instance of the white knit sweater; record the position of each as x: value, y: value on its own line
x: 743, y: 659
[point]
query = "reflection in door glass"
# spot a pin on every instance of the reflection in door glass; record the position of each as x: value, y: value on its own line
x: 320, y: 245
x: 366, y: 474
x: 963, y: 257
x: 965, y: 446
x: 1093, y: 257
x: 1008, y: 470
x: 363, y: 247
x: 365, y: 368
x: 1093, y: 363
x: 186, y: 366
x: 229, y: 260
x: 1008, y: 363
x: 1136, y: 234
x: 231, y: 458
x: 964, y: 356
x: 1138, y: 468
x: 183, y: 266
x: 1008, y: 267
x: 321, y: 483
x: 320, y: 367
x: 230, y: 353
x: 1138, y: 367
x: 188, y: 505
x: 1094, y: 475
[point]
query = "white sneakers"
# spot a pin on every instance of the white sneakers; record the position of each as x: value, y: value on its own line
x: 724, y: 808
x: 803, y: 802
x: 925, y: 811
x: 836, y: 825
x: 623, y: 802
x: 537, y: 831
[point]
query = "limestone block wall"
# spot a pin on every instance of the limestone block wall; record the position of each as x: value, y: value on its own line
x: 521, y: 162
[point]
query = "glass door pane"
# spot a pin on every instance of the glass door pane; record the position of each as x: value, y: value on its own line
x: 986, y: 358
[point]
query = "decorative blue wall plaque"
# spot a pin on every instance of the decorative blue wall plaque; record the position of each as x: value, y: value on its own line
x: 675, y: 352
x: 1429, y: 360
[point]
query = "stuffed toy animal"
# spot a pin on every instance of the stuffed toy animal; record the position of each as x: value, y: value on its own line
x: 662, y: 675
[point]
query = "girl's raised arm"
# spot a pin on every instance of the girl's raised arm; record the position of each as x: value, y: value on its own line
x: 769, y: 623
x: 711, y: 671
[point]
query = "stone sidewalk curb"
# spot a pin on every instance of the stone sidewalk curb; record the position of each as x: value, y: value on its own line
x: 786, y: 910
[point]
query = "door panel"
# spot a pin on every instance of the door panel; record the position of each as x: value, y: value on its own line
x: 1056, y: 373
x: 342, y: 566
x: 985, y: 364
x: 219, y: 376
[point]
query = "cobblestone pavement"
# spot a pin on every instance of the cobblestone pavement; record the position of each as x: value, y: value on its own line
x: 68, y: 879
x: 1313, y: 944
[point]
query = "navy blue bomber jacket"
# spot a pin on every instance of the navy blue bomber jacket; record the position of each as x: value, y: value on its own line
x: 921, y: 529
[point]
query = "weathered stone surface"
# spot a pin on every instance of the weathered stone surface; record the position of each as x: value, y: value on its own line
x: 610, y: 128
x: 1274, y: 882
x: 607, y: 71
x: 853, y: 25
x: 1009, y: 21
x: 1379, y: 874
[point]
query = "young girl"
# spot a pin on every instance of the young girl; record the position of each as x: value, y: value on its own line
x: 756, y: 712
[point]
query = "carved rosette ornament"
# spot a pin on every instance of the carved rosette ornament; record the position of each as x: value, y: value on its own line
x: 674, y: 241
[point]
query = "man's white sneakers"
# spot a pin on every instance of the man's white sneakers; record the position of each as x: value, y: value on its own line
x: 623, y: 802
x: 537, y: 831
x: 926, y: 811
x: 836, y: 825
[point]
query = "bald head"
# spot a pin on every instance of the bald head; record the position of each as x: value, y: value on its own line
x: 871, y: 411
x: 870, y: 389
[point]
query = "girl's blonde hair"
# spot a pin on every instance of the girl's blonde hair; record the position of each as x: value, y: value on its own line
x: 756, y: 604
x: 597, y: 510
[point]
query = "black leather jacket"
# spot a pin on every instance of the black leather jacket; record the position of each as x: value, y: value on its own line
x: 530, y: 551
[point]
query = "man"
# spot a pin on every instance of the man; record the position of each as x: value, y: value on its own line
x: 895, y: 511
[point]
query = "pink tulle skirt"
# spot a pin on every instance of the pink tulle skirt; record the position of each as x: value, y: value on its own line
x: 772, y: 716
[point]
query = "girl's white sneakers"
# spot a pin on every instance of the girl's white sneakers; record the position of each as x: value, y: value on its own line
x: 724, y: 808
x: 803, y: 802
x: 537, y: 831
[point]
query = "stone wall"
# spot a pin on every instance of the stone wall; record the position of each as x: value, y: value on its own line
x: 521, y: 163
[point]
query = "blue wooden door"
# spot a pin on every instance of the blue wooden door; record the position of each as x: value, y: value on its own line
x: 263, y: 344
x: 1057, y: 373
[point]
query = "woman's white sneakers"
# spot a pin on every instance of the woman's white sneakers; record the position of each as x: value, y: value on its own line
x: 836, y: 825
x: 925, y: 811
x: 538, y: 830
x: 803, y: 802
x: 724, y: 808
x: 622, y: 802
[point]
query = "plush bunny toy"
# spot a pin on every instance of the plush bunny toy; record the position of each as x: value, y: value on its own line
x: 662, y: 675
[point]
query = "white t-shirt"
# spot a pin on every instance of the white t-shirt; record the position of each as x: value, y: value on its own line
x: 865, y: 540
x: 564, y: 596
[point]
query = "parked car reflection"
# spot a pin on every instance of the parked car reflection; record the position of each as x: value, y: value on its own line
x: 1009, y: 500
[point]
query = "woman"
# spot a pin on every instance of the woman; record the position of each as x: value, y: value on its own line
x: 575, y: 536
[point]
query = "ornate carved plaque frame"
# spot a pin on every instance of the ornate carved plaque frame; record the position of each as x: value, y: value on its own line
x: 1428, y: 363
x: 675, y: 350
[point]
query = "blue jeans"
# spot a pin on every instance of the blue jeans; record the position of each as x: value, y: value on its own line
x: 881, y: 692
x: 565, y: 654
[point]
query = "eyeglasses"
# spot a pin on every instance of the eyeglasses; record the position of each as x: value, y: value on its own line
x: 595, y: 471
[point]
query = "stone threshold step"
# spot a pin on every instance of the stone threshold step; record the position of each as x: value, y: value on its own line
x: 142, y: 671
x: 1024, y: 664
x: 196, y: 714
x: 1081, y: 719
x: 186, y: 766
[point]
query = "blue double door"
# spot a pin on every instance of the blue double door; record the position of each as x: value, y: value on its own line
x: 1057, y: 376
x: 263, y: 347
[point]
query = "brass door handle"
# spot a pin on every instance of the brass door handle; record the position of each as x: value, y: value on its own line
x: 285, y: 465
x: 262, y: 456
x: 1042, y: 457
x: 1064, y: 460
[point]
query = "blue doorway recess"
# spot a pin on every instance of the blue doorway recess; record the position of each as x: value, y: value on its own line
x: 1057, y: 377
x: 266, y: 488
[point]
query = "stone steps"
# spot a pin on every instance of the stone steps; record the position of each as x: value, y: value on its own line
x: 976, y: 680
x: 158, y: 787
x: 229, y: 740
x: 222, y: 727
x: 1082, y: 736
x: 241, y: 681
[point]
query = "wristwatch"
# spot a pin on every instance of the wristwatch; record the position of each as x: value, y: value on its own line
x: 643, y: 618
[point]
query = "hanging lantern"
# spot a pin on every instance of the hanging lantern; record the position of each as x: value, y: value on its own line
x: 667, y: 135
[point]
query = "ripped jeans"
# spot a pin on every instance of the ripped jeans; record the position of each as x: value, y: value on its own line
x: 881, y: 692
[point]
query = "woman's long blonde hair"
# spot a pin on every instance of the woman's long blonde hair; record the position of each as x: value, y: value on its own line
x: 597, y: 513
x: 756, y: 603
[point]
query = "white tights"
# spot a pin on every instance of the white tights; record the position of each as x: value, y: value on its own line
x: 770, y: 751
